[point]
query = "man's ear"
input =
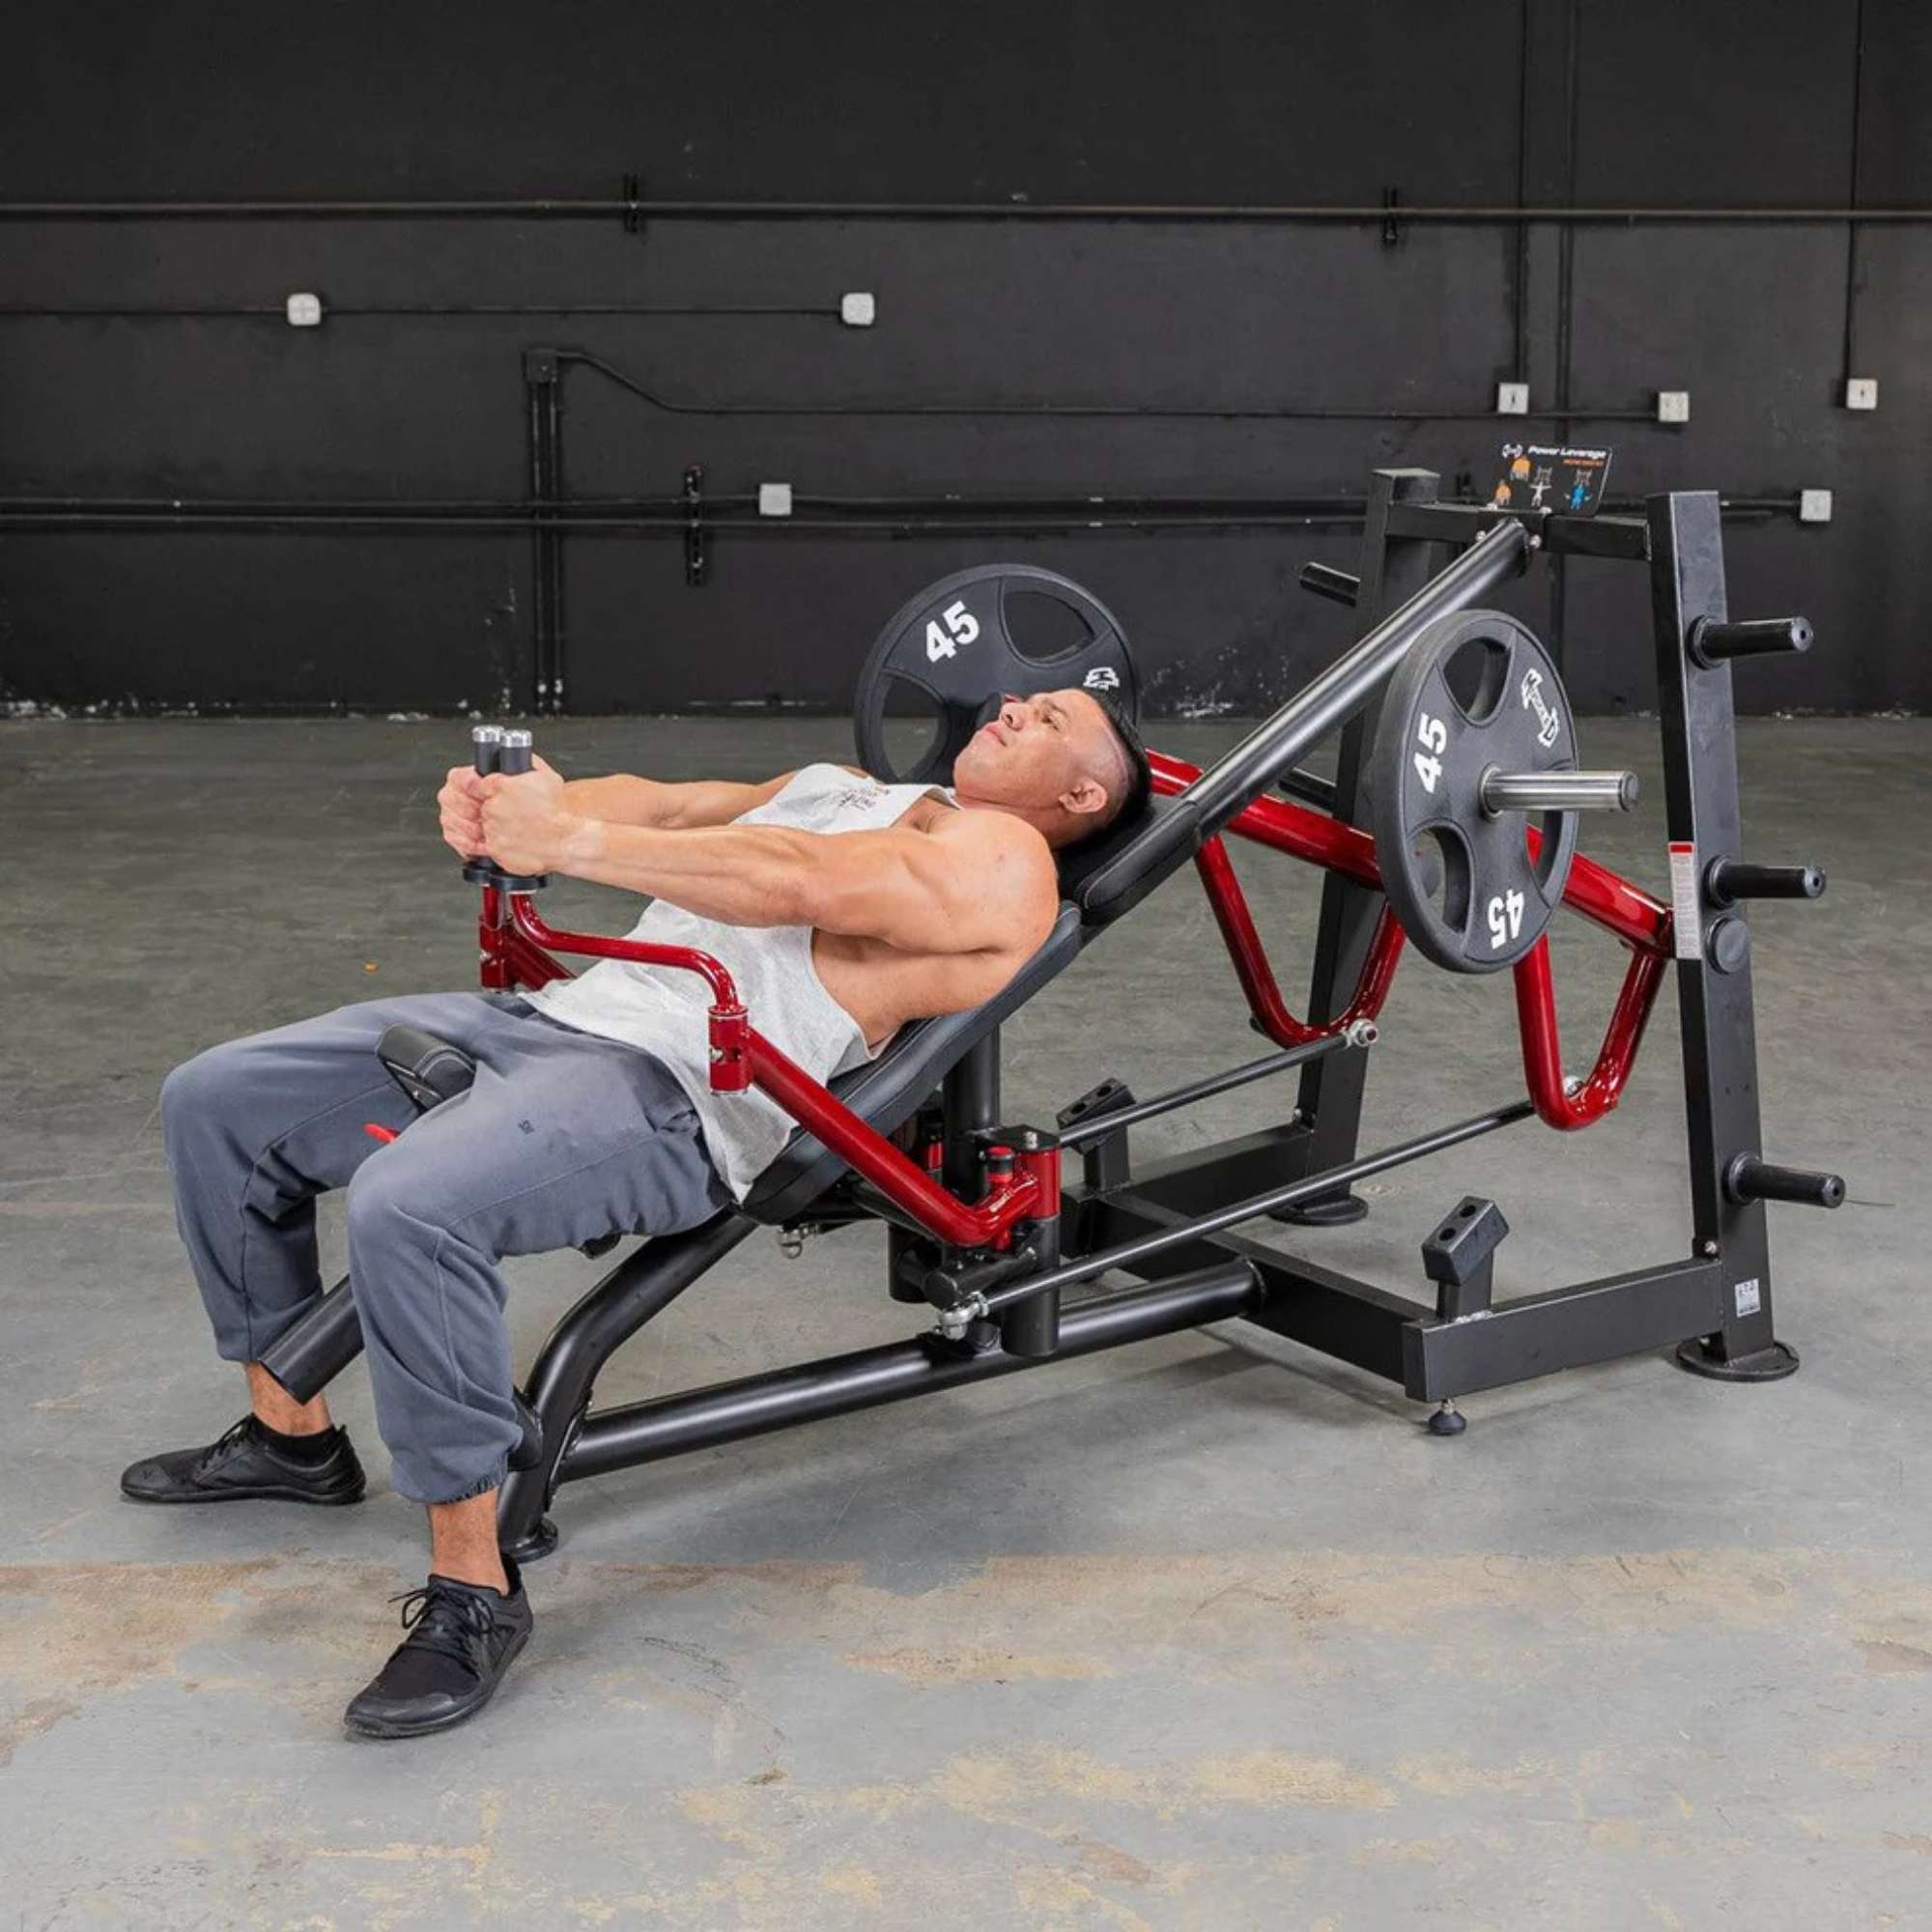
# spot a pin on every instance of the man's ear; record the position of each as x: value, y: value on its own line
x: 1085, y: 795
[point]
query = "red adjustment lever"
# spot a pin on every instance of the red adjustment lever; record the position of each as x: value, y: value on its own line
x: 375, y: 1130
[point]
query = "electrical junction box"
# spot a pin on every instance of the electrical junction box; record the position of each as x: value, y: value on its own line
x: 1814, y: 506
x: 1673, y: 406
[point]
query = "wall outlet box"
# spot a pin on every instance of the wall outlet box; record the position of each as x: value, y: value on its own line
x: 858, y: 311
x: 773, y: 500
x: 1862, y: 392
x: 1814, y: 506
x: 1511, y: 398
x: 304, y: 311
x: 1673, y: 406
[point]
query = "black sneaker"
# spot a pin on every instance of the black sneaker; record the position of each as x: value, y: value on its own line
x: 244, y: 1463
x: 462, y: 1639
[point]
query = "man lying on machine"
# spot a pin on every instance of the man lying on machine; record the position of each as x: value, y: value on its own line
x: 842, y: 907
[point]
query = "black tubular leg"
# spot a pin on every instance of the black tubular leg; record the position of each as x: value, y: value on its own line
x: 311, y: 1354
x: 1700, y: 784
x: 673, y: 1425
x: 642, y: 1286
x: 1330, y: 1096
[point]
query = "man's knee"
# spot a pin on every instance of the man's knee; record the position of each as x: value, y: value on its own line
x: 199, y: 1089
x: 394, y: 1206
x: 380, y: 1206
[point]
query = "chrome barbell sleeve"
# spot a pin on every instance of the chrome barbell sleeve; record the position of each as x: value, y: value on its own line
x: 1557, y: 791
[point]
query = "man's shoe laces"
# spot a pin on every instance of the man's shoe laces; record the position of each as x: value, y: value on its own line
x: 450, y: 1621
x: 217, y: 1450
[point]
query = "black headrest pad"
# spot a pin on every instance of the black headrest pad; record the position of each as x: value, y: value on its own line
x: 1078, y: 863
x: 1114, y: 872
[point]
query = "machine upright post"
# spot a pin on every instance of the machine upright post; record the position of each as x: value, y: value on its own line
x: 1713, y: 978
x: 543, y: 395
x: 1331, y: 1095
x: 971, y: 1100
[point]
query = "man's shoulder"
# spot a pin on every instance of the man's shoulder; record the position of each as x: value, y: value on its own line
x: 1016, y: 860
x: 997, y: 831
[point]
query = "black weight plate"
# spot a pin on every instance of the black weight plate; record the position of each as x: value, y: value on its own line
x: 953, y: 644
x: 1443, y: 724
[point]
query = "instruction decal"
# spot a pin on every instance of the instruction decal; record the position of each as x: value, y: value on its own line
x: 1550, y: 477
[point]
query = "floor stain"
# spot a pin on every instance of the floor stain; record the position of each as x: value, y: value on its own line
x: 31, y: 1721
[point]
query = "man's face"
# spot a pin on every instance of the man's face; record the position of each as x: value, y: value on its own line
x: 1056, y: 746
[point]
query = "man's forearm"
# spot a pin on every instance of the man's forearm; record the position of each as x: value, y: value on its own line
x: 624, y: 800
x: 743, y: 874
x: 619, y: 800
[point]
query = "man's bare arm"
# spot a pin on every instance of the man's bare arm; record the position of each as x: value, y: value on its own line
x: 979, y: 881
x: 623, y: 799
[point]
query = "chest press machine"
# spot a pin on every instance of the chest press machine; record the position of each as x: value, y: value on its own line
x: 1468, y: 780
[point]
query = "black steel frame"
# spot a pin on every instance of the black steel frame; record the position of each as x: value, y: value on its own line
x: 1171, y: 1228
x: 1173, y: 1224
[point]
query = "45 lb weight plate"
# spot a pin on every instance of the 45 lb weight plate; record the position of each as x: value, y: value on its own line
x: 1477, y: 699
x: 950, y: 653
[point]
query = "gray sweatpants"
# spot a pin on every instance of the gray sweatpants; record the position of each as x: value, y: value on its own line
x: 563, y: 1137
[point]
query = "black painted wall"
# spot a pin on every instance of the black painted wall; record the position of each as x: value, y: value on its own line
x: 1546, y: 102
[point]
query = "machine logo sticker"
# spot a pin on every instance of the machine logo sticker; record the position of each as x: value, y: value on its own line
x: 1102, y: 677
x: 1548, y: 725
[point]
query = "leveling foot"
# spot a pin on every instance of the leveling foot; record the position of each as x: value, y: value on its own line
x: 1764, y: 1365
x: 1448, y: 1420
x: 1339, y: 1210
x: 541, y: 1541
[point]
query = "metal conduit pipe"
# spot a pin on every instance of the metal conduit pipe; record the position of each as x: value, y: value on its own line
x: 635, y: 209
x: 669, y: 517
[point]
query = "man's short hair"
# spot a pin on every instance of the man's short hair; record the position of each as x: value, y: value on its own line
x: 1132, y: 800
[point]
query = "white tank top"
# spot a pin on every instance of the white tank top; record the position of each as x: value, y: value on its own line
x: 664, y: 1012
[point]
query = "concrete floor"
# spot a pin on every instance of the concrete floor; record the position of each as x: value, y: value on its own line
x: 1209, y: 1634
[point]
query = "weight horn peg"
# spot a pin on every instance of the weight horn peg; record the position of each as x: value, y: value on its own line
x: 1726, y: 881
x: 1711, y: 643
x: 1748, y: 1179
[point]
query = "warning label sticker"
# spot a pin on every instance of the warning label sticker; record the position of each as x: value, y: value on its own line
x: 1686, y: 904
